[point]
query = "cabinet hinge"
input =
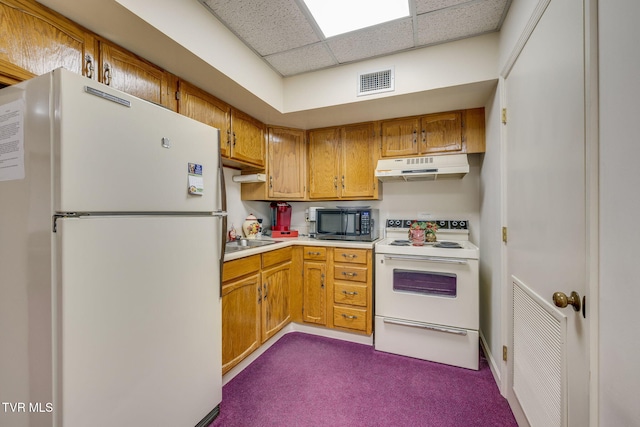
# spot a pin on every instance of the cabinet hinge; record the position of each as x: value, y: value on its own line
x: 177, y: 95
x: 504, y: 234
x: 504, y: 116
x: 504, y: 353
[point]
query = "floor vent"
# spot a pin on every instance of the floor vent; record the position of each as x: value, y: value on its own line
x: 376, y: 82
x: 538, y: 358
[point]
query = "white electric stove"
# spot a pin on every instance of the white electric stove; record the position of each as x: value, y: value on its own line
x: 427, y: 296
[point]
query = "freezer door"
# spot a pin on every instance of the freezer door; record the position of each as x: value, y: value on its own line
x: 118, y: 153
x: 138, y: 321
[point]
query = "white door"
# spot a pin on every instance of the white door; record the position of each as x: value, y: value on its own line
x: 138, y: 333
x: 548, y: 379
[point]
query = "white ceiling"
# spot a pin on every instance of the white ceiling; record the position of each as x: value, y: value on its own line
x: 285, y: 36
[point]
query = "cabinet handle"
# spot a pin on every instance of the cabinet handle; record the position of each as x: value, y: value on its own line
x: 424, y: 135
x: 270, y: 181
x: 347, y: 316
x: 314, y: 253
x: 350, y: 256
x: 234, y: 139
x: 349, y: 273
x: 259, y: 294
x: 264, y: 297
x: 107, y: 74
x: 228, y: 137
x: 322, y: 280
x: 88, y: 68
x: 350, y: 293
x: 335, y: 182
x: 343, y: 182
x: 415, y: 136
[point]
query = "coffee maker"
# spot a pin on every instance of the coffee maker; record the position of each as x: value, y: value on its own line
x: 281, y: 220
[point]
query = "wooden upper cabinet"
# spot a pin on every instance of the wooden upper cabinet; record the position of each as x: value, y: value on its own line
x: 129, y: 73
x: 35, y: 40
x: 324, y: 162
x: 400, y: 137
x: 203, y: 107
x: 248, y: 139
x: 358, y: 162
x: 286, y: 163
x: 441, y: 132
x: 341, y: 162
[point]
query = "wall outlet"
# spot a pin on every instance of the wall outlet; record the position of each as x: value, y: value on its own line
x: 425, y: 215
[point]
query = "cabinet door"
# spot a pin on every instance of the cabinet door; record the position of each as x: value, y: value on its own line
x: 357, y: 179
x: 125, y: 71
x: 276, y: 290
x: 203, y: 107
x: 286, y: 163
x: 35, y: 40
x: 247, y: 139
x: 240, y: 320
x: 324, y: 163
x: 400, y: 137
x: 314, y: 298
x: 442, y: 132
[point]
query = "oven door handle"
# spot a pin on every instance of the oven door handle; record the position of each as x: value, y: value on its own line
x: 427, y: 258
x: 427, y: 326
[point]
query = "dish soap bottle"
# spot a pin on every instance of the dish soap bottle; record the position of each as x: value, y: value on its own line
x: 232, y: 233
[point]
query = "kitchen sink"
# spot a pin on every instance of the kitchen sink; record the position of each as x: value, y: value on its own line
x: 242, y: 244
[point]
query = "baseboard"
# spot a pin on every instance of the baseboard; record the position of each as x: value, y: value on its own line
x: 495, y: 368
x: 296, y: 327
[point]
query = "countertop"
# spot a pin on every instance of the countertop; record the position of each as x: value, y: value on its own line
x: 297, y: 241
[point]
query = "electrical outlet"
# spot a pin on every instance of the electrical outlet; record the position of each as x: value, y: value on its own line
x: 425, y: 215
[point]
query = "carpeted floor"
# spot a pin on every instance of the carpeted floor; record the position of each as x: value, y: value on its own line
x: 305, y: 380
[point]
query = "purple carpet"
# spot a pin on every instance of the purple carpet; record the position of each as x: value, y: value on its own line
x: 304, y: 380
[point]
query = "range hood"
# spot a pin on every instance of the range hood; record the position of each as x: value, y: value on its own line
x: 453, y: 166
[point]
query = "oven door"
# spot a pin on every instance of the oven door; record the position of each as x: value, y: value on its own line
x: 434, y: 290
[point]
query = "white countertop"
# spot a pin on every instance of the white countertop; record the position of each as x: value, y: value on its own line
x: 297, y: 241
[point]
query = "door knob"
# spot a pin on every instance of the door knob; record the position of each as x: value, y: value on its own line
x: 561, y: 300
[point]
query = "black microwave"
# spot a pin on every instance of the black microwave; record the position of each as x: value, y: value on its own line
x: 347, y: 224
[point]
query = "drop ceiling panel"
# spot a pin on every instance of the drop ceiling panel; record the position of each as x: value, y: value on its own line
x: 375, y: 41
x: 461, y: 21
x: 267, y: 26
x: 302, y: 60
x: 425, y: 6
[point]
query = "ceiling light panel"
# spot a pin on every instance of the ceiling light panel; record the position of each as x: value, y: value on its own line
x: 342, y: 16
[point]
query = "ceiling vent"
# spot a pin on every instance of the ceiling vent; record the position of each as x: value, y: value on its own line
x: 376, y: 82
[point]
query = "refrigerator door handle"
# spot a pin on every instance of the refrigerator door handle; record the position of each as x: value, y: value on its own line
x: 223, y: 213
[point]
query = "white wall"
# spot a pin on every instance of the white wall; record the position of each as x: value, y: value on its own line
x: 446, y: 199
x: 619, y: 204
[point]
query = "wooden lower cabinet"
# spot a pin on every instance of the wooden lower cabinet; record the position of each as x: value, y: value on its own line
x: 241, y: 310
x: 352, y: 290
x: 341, y: 299
x: 255, y: 303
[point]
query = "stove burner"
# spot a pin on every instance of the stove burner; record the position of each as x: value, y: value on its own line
x: 450, y: 245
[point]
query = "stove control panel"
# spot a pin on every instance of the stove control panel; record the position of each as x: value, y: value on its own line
x: 447, y: 224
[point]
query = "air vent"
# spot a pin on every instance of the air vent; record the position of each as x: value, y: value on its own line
x: 419, y: 160
x: 376, y: 82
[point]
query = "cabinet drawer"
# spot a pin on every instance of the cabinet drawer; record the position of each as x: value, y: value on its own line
x: 350, y: 272
x: 345, y: 293
x: 353, y: 256
x: 352, y: 318
x: 276, y: 257
x: 240, y: 267
x: 315, y: 252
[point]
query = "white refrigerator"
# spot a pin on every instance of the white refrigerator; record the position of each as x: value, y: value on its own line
x: 112, y: 211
